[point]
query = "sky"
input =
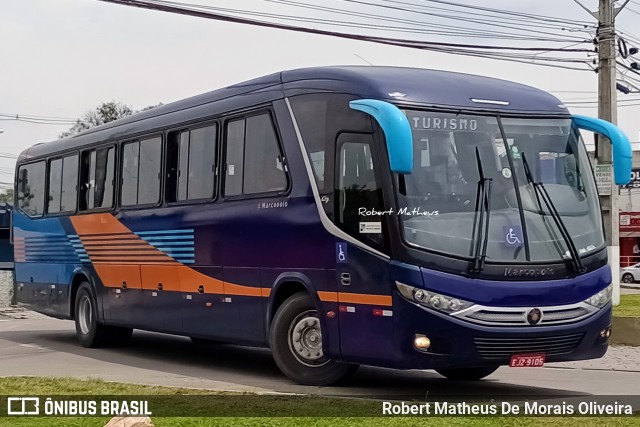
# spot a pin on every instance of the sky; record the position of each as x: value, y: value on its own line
x: 62, y: 58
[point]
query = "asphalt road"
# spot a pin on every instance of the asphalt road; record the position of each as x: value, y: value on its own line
x: 48, y: 347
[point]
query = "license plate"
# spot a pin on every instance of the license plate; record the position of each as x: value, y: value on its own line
x: 527, y: 360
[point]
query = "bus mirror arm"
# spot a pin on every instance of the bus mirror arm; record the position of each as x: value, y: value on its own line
x: 397, y: 131
x: 621, y: 146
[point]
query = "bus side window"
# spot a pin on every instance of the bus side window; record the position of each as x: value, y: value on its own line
x: 191, y: 156
x: 254, y: 163
x: 31, y: 188
x: 97, y: 179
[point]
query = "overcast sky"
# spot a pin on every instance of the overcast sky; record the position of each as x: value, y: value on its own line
x: 62, y: 58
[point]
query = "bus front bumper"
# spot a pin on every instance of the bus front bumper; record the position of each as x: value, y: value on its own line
x: 457, y: 343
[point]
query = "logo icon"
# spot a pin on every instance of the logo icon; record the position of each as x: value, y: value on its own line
x: 23, y: 406
x: 534, y: 316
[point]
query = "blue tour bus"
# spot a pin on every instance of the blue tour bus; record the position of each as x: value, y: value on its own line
x: 394, y: 217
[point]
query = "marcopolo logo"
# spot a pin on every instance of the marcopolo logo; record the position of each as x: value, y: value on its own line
x: 23, y: 406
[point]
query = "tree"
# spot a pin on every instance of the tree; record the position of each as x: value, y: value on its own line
x: 104, y: 113
x: 6, y: 196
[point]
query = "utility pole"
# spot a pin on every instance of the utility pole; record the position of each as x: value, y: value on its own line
x: 607, y: 110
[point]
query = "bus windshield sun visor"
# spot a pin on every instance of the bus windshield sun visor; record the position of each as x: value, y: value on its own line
x: 397, y: 131
x: 619, y: 141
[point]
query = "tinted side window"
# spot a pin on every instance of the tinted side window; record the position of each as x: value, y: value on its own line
x: 55, y: 182
x: 97, y: 178
x: 104, y: 177
x: 69, y: 190
x: 202, y: 152
x: 263, y: 169
x: 196, y: 165
x: 149, y: 174
x: 31, y: 179
x: 183, y: 167
x: 235, y: 158
x: 321, y: 118
x: 254, y: 163
x: 130, y: 160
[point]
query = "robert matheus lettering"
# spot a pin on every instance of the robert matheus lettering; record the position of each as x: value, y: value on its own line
x: 527, y: 408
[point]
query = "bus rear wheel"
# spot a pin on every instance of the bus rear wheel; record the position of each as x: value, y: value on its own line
x: 90, y: 333
x: 467, y: 374
x: 296, y: 344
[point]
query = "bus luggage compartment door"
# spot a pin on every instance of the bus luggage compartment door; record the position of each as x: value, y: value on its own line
x: 124, y: 289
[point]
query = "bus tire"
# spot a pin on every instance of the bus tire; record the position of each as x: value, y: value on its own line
x: 90, y: 333
x: 467, y: 374
x: 296, y: 345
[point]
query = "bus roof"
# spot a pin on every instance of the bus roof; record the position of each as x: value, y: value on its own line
x: 406, y: 86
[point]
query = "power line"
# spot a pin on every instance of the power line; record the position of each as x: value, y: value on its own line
x: 41, y: 120
x: 499, y: 13
x: 513, y: 13
x: 458, y: 18
x: 512, y: 53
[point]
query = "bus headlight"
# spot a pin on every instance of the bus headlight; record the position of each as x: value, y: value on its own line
x: 602, y: 298
x: 432, y: 300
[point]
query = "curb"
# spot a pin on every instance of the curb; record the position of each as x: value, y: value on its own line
x: 625, y: 331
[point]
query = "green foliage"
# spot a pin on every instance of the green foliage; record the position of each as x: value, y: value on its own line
x: 104, y: 113
x: 629, y: 306
x: 34, y: 386
x: 6, y: 196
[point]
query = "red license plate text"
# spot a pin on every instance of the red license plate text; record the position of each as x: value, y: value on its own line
x: 527, y: 360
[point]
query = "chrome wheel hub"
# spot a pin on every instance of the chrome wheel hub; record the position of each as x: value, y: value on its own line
x: 85, y: 314
x: 305, y: 339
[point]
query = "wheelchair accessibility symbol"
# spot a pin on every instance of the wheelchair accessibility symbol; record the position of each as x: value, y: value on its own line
x: 341, y: 252
x: 512, y: 236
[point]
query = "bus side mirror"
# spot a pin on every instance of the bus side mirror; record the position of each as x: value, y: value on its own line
x: 621, y: 145
x: 397, y: 131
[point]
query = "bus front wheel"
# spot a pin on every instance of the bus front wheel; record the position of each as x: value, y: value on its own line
x: 467, y: 374
x: 296, y: 344
x: 90, y: 333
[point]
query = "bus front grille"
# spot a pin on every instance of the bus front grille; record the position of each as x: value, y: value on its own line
x: 504, y: 348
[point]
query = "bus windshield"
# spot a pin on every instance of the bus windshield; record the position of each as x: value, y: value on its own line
x: 440, y: 201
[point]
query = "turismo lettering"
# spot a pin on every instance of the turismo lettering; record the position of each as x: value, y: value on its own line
x: 444, y: 123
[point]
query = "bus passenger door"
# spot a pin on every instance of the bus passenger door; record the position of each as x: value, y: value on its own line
x: 364, y: 285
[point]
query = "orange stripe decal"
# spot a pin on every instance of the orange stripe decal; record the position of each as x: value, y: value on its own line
x: 248, y: 291
x: 349, y: 298
x: 146, y: 267
x: 384, y: 300
x: 328, y: 296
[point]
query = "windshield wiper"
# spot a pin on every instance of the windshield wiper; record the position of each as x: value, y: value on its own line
x: 541, y: 192
x: 481, y: 219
